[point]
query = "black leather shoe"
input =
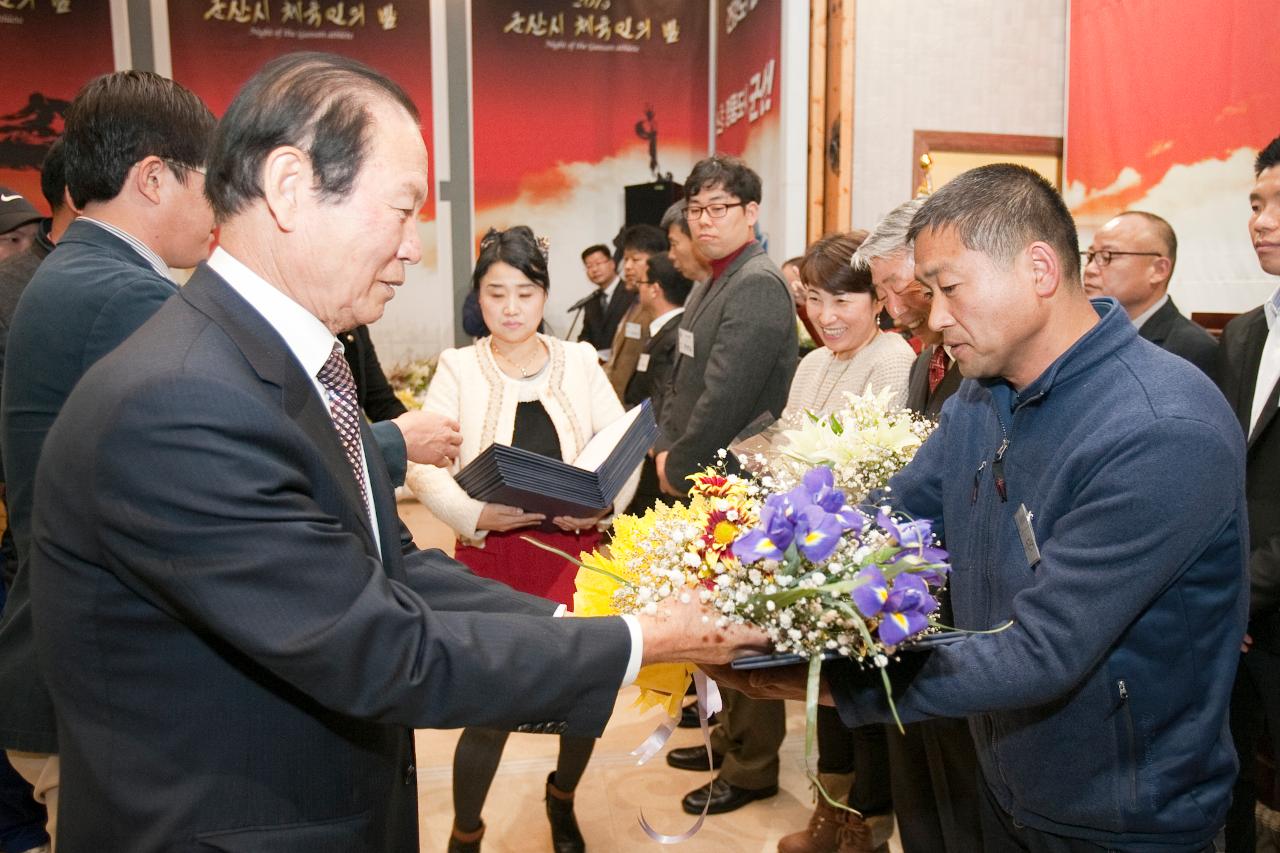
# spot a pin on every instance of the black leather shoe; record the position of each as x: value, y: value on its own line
x: 724, y: 797
x: 565, y: 835
x: 693, y: 758
x: 689, y: 717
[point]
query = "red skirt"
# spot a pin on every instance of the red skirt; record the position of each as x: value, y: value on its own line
x: 507, y: 558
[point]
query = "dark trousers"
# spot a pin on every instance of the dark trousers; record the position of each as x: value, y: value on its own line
x: 935, y: 787
x: 749, y: 734
x: 1255, y: 711
x: 1002, y: 834
x: 22, y: 819
x: 864, y: 753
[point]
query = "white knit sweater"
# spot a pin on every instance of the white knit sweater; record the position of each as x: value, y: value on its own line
x: 822, y: 380
x: 469, y: 387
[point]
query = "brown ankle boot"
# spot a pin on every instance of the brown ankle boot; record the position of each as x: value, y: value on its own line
x: 465, y: 842
x: 820, y: 836
x: 854, y: 835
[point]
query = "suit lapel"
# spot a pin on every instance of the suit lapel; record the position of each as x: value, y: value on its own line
x: 271, y: 359
x: 1157, y: 327
x: 1250, y: 357
x: 1267, y: 415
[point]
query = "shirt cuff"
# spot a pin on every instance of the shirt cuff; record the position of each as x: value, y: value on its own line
x: 637, y: 650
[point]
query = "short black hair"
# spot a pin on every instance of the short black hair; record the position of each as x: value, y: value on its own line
x: 999, y: 209
x: 317, y: 102
x: 826, y: 266
x: 649, y: 239
x: 1267, y: 157
x: 117, y: 120
x: 735, y: 176
x: 675, y: 287
x: 598, y: 247
x: 53, y: 176
x: 516, y: 247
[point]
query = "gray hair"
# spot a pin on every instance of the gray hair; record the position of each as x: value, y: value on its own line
x: 889, y: 236
x: 675, y: 216
x: 999, y: 209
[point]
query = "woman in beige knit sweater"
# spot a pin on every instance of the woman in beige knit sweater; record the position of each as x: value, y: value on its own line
x: 855, y: 356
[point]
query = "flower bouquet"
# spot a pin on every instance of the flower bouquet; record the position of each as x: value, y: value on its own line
x: 864, y: 443
x: 409, y: 381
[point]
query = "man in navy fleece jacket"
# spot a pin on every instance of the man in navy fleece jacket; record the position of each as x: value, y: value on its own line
x: 1100, y: 716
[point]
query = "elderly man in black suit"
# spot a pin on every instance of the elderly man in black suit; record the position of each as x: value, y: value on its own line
x: 237, y: 631
x: 1131, y: 259
x: 1249, y: 375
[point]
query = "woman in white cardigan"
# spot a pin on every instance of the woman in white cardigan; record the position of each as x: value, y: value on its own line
x: 524, y: 389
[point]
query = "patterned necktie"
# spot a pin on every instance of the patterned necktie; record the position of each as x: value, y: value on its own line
x: 344, y: 409
x: 937, y: 367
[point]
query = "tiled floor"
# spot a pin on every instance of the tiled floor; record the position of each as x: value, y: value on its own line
x: 613, y: 791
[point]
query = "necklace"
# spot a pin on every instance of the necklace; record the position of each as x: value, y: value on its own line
x: 524, y: 371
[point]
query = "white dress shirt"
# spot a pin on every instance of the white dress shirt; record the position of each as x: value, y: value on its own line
x: 137, y: 245
x: 657, y: 324
x: 308, y: 339
x: 1269, y: 365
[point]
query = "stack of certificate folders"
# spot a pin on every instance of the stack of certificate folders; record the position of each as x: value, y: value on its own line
x: 581, y: 489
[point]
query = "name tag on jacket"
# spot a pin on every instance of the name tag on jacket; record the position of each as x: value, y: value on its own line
x: 642, y: 365
x: 686, y: 343
x: 632, y: 331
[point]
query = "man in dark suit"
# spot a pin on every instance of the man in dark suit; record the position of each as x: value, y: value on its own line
x: 663, y: 294
x: 736, y: 352
x: 1131, y: 259
x: 605, y: 308
x: 1249, y: 375
x: 134, y: 148
x: 236, y: 630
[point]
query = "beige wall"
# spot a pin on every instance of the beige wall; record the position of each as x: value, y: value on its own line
x: 978, y: 66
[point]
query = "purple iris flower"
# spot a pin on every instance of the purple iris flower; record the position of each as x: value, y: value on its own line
x: 896, y: 627
x: 770, y: 540
x: 872, y: 592
x: 910, y: 592
x: 817, y: 533
x: 915, y: 538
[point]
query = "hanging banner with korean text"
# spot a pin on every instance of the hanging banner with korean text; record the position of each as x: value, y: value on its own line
x: 217, y: 45
x: 573, y: 100
x: 748, y: 95
x: 51, y: 48
x: 1149, y: 130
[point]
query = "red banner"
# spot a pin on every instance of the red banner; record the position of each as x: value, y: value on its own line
x: 217, y: 45
x: 1168, y: 106
x: 567, y: 98
x: 51, y: 48
x: 749, y: 93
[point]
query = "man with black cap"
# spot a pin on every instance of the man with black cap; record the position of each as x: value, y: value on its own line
x: 19, y: 223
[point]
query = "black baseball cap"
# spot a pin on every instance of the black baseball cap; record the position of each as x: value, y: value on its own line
x: 15, y: 211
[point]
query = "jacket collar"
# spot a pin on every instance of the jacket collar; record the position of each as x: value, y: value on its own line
x: 1113, y: 331
x: 270, y: 357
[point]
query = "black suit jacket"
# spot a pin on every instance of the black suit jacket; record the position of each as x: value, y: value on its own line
x: 600, y: 320
x: 88, y: 296
x: 919, y: 398
x: 1239, y: 354
x: 236, y: 663
x: 377, y: 399
x: 745, y: 355
x: 1168, y: 328
x: 649, y: 383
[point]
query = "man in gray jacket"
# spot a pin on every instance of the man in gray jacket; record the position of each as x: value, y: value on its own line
x: 736, y: 353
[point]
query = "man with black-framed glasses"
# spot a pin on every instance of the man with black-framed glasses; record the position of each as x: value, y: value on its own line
x: 737, y: 350
x: 1131, y: 259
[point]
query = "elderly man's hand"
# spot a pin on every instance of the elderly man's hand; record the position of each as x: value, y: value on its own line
x: 687, y: 632
x: 430, y: 438
x: 781, y: 682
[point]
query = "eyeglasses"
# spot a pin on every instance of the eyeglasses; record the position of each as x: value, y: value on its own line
x: 183, y: 167
x: 716, y: 211
x: 1104, y: 256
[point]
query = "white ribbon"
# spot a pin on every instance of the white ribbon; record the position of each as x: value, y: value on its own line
x: 709, y: 702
